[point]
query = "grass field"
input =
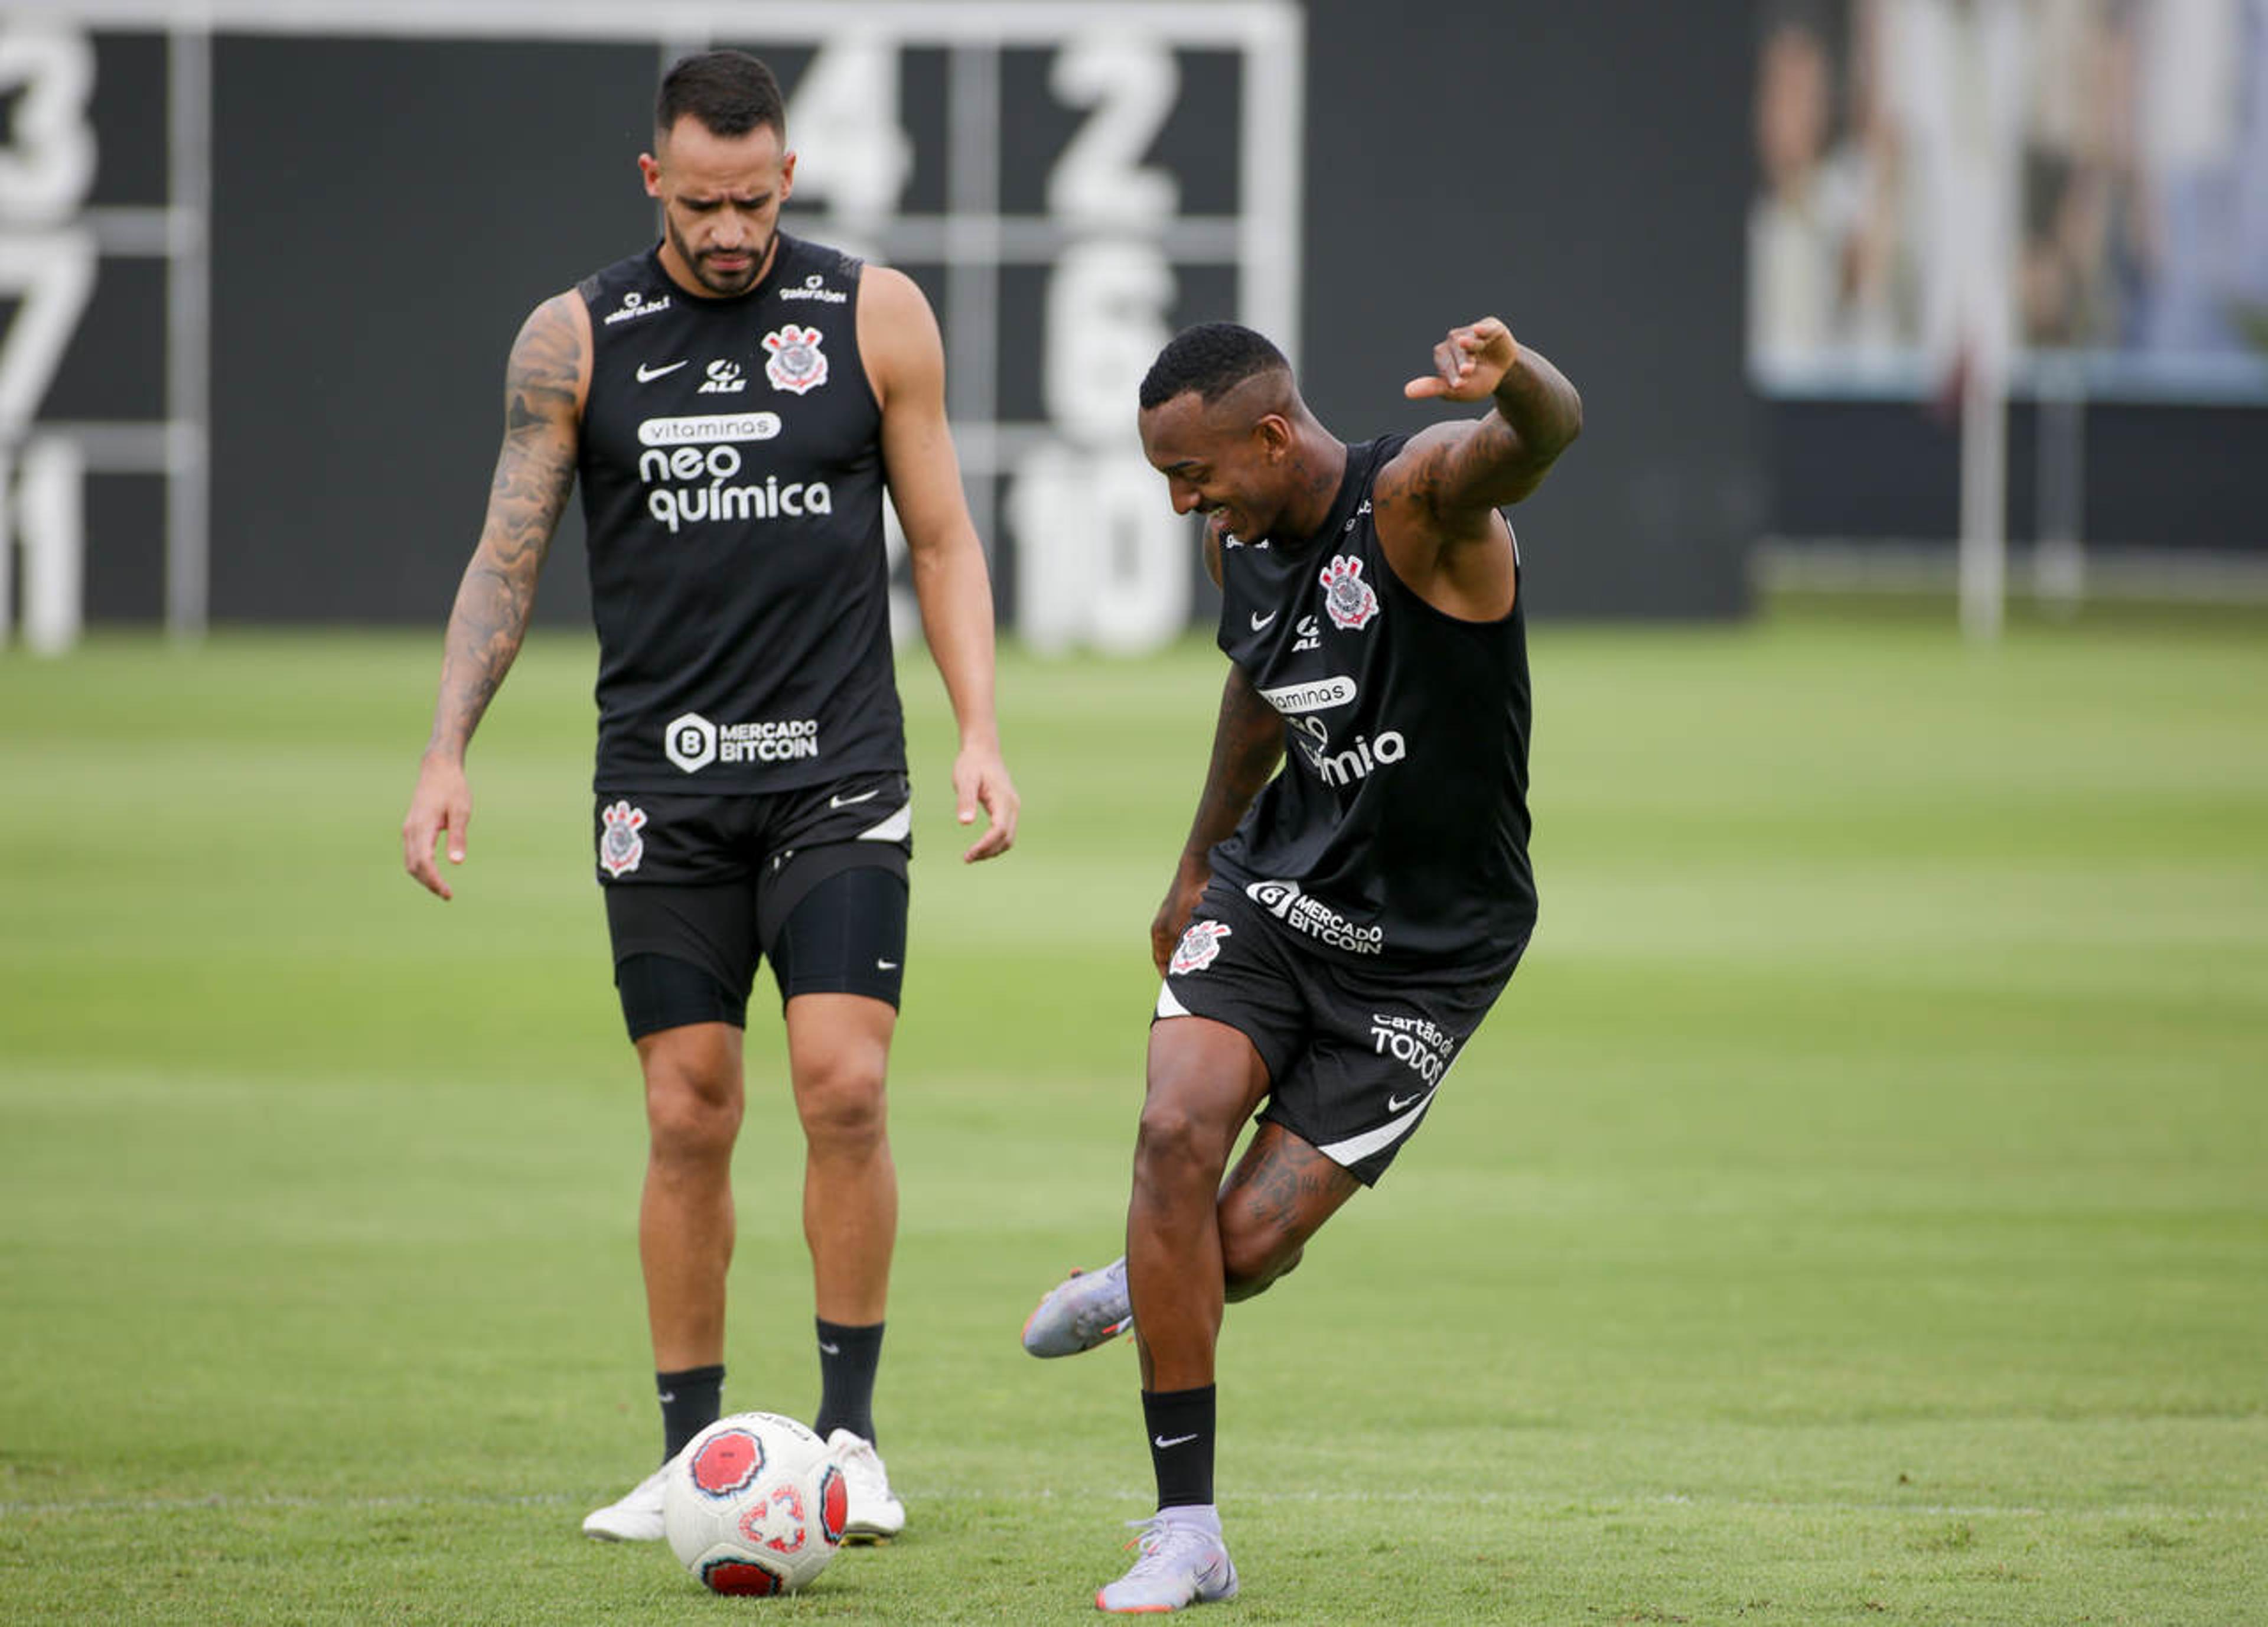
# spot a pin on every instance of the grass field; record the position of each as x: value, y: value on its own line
x: 1858, y: 1210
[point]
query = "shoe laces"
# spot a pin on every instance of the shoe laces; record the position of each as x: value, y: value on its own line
x: 1169, y: 1546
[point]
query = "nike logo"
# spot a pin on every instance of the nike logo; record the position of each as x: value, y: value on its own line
x: 825, y: 1348
x: 886, y: 965
x: 646, y: 374
x: 1161, y: 1442
x: 845, y: 801
x: 1396, y: 1104
x: 1260, y: 621
x: 668, y: 1396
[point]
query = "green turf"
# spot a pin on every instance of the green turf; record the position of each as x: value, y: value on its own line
x: 1857, y: 1211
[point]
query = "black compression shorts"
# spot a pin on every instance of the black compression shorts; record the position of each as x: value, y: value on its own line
x: 700, y: 889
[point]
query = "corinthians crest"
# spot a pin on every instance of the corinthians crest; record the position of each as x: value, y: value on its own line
x: 797, y: 363
x: 1199, y: 947
x: 1346, y: 596
x: 620, y: 844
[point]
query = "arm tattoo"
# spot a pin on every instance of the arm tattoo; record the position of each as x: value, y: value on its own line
x: 1247, y: 743
x: 534, y: 471
x: 1504, y: 455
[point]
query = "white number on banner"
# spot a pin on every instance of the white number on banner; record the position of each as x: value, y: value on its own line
x: 845, y: 109
x: 1131, y: 83
x: 52, y: 273
x: 1101, y: 558
x: 47, y: 163
x: 1107, y: 305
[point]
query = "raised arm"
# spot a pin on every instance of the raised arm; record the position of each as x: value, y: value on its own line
x: 1437, y: 501
x: 1247, y: 743
x: 1535, y: 415
x: 906, y: 362
x: 544, y: 385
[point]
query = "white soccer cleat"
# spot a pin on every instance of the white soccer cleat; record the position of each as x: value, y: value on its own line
x: 636, y: 1517
x: 1086, y: 1309
x: 1183, y: 1563
x: 874, y: 1513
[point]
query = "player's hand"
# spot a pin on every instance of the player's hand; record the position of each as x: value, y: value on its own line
x: 1174, y: 914
x: 442, y: 805
x: 980, y: 779
x: 1468, y: 364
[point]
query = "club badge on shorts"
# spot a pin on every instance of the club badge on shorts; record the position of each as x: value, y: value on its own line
x: 797, y: 363
x: 620, y: 844
x: 1199, y: 947
x: 1346, y: 596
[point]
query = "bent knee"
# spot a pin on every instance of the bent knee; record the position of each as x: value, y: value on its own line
x: 1250, y: 1261
x: 1172, y: 1145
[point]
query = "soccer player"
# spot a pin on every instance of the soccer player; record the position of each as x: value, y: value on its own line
x: 734, y: 401
x: 1333, y: 935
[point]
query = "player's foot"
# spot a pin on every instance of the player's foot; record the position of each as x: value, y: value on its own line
x: 1184, y: 1562
x: 635, y: 1518
x: 871, y: 1514
x: 1086, y: 1309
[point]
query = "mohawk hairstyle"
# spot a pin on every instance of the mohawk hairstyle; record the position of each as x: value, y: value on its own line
x: 730, y: 92
x: 1211, y: 359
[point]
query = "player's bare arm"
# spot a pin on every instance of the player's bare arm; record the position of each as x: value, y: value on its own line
x: 1437, y: 502
x: 1248, y: 744
x: 544, y: 385
x: 905, y: 361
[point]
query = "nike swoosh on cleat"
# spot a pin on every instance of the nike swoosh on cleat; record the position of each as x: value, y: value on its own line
x: 1161, y: 1442
x: 845, y: 801
x: 646, y: 375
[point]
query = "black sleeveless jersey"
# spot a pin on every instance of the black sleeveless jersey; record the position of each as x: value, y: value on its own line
x: 731, y: 474
x: 1396, y: 831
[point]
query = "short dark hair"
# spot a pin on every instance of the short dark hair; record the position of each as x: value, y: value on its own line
x: 1211, y: 359
x: 730, y: 92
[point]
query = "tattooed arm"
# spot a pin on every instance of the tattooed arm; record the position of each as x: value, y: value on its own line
x: 1247, y: 743
x: 544, y: 386
x: 1436, y: 503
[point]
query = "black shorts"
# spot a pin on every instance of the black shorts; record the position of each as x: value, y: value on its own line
x: 1354, y: 1053
x: 699, y: 889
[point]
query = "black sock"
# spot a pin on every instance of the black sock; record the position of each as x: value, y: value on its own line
x: 690, y: 1401
x: 848, y: 1358
x: 1181, y: 1444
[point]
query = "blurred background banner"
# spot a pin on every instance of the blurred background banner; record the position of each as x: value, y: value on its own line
x: 2070, y: 196
x: 259, y: 265
x: 2136, y: 141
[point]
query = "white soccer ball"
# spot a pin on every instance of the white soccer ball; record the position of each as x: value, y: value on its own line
x: 754, y: 1504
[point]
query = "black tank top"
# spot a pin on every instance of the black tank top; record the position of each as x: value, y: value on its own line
x: 731, y: 475
x: 1396, y: 831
